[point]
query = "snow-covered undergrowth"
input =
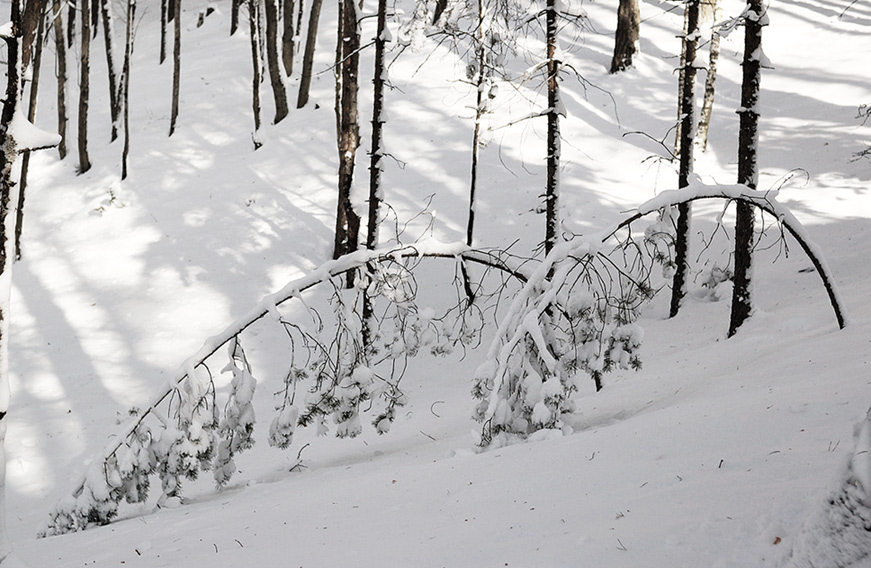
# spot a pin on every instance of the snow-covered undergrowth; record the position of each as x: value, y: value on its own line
x: 713, y: 454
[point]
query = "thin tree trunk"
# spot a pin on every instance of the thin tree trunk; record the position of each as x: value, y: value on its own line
x: 710, y: 82
x: 36, y: 64
x: 626, y: 36
x: 276, y: 71
x: 288, y: 38
x: 84, y: 87
x: 308, y: 58
x: 376, y: 154
x: 687, y: 130
x: 95, y: 18
x: 553, y: 133
x: 109, y: 40
x: 176, y: 63
x: 254, y: 27
x: 71, y: 23
x: 61, y: 58
x: 347, y: 220
x: 164, y: 17
x: 234, y: 16
x: 748, y: 138
x: 125, y: 84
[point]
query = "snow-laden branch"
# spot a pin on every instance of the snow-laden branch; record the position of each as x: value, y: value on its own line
x: 765, y: 201
x: 194, y: 437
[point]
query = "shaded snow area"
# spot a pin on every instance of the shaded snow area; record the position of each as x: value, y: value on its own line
x: 716, y: 453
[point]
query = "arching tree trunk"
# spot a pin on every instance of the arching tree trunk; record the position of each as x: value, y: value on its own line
x: 626, y: 36
x: 687, y: 105
x: 84, y: 87
x: 276, y: 71
x: 748, y: 138
x: 308, y: 58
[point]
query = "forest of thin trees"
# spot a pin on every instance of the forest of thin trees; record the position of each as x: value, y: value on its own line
x: 584, y: 301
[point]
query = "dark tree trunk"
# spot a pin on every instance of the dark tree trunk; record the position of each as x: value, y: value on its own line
x: 164, y: 18
x: 710, y: 81
x: 36, y: 63
x: 347, y: 220
x: 61, y: 57
x: 71, y: 23
x: 748, y: 137
x: 125, y: 84
x: 308, y: 58
x: 95, y: 18
x: 288, y: 38
x: 84, y: 87
x: 276, y: 72
x: 176, y: 63
x: 234, y: 16
x: 114, y: 95
x: 376, y: 155
x: 553, y: 133
x: 34, y: 10
x: 687, y: 130
x: 254, y: 29
x: 626, y: 36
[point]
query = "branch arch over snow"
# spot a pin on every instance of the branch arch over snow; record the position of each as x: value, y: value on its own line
x: 358, y: 260
x: 763, y: 200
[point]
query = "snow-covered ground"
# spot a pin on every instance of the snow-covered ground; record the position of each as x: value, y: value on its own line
x: 712, y: 455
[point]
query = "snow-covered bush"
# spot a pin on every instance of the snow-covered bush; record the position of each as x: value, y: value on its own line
x: 576, y: 313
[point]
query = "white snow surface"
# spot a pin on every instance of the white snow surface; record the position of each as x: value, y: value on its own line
x: 717, y: 453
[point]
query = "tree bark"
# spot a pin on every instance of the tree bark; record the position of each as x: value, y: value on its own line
x: 164, y: 17
x: 71, y: 23
x: 276, y: 71
x: 288, y: 38
x: 347, y: 220
x: 308, y: 58
x: 109, y: 40
x: 234, y: 16
x: 376, y: 155
x: 748, y: 138
x: 626, y: 36
x: 710, y: 81
x: 84, y: 87
x: 176, y: 64
x: 254, y: 33
x: 687, y: 105
x: 125, y: 84
x: 61, y: 58
x: 553, y: 133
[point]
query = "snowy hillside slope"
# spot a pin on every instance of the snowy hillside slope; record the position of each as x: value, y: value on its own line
x: 712, y: 455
